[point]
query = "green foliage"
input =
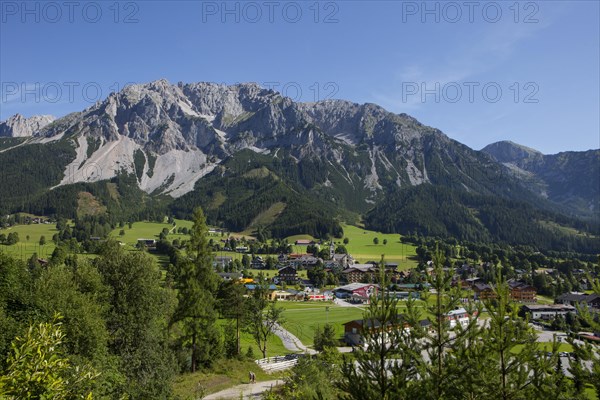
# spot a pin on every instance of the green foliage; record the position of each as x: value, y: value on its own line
x: 139, y: 161
x: 496, y: 358
x: 585, y: 365
x: 385, y: 366
x: 263, y: 315
x: 233, y: 305
x: 250, y: 193
x: 437, y: 211
x: 137, y: 321
x: 27, y: 177
x: 313, y: 379
x: 38, y: 369
x: 15, y: 300
x: 93, y: 145
x: 196, y: 284
x: 325, y: 337
x: 79, y: 295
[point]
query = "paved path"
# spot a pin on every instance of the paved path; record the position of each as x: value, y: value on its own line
x: 343, y: 303
x: 291, y: 342
x: 248, y: 390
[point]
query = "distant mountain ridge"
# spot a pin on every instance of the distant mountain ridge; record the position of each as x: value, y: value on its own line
x: 19, y: 126
x: 244, y: 152
x: 571, y: 178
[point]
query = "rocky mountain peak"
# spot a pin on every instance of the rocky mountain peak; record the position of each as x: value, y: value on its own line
x: 20, y: 126
x: 509, y: 152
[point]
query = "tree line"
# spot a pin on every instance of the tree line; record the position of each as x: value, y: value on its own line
x: 113, y: 327
x: 418, y: 353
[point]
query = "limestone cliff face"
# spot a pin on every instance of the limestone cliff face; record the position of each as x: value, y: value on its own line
x: 19, y: 126
x: 172, y: 135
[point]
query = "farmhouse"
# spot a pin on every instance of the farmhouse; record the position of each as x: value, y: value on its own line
x: 522, y: 292
x: 223, y: 261
x: 288, y: 275
x: 519, y: 292
x: 257, y: 263
x: 460, y: 316
x: 582, y: 299
x: 483, y: 291
x: 358, y: 291
x: 306, y: 261
x: 353, y: 330
x: 150, y: 244
x: 358, y: 273
x: 304, y: 242
x: 367, y: 272
x: 549, y: 311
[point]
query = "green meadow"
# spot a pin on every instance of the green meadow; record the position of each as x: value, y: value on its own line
x: 303, y: 318
x: 144, y: 230
x: 25, y: 248
x: 360, y: 244
x: 363, y: 249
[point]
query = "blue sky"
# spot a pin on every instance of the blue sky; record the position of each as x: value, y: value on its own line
x: 479, y: 71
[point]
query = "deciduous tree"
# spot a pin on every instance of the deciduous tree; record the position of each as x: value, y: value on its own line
x: 263, y: 315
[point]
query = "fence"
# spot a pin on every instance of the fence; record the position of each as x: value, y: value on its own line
x: 277, y: 363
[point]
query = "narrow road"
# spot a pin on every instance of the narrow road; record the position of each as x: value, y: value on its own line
x: 291, y: 342
x: 246, y: 390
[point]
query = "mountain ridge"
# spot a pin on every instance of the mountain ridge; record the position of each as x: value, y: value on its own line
x: 342, y: 157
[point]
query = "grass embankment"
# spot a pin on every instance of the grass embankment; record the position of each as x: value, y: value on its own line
x: 224, y: 374
x: 546, y: 346
x: 274, y: 344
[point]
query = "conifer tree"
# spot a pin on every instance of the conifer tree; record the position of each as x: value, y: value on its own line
x: 585, y: 363
x: 516, y: 366
x: 196, y: 283
x: 385, y: 366
x: 445, y: 343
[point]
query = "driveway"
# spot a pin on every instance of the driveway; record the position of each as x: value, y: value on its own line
x: 246, y: 391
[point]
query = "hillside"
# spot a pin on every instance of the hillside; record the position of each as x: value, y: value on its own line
x: 570, y: 179
x: 252, y: 157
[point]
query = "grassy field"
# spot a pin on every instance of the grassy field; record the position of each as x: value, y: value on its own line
x: 141, y: 230
x: 546, y: 346
x: 362, y: 248
x: 303, y: 318
x: 25, y: 248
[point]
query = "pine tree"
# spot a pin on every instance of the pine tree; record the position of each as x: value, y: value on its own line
x: 385, y: 367
x: 196, y: 283
x: 443, y: 368
x: 585, y: 363
x: 516, y: 368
